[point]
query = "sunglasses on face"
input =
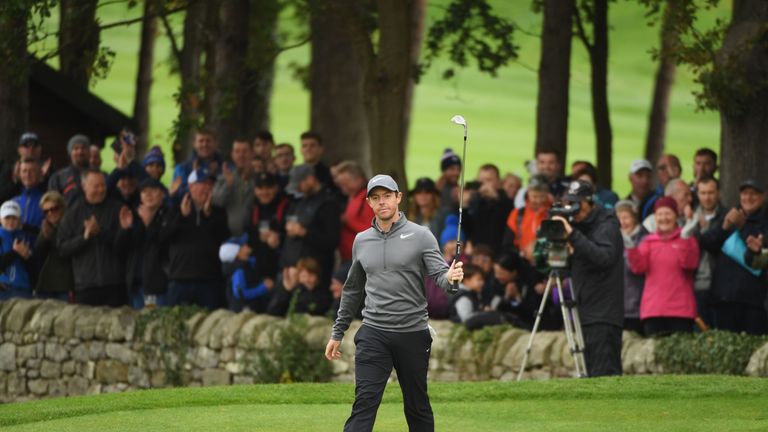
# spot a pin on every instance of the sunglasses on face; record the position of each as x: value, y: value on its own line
x: 50, y: 210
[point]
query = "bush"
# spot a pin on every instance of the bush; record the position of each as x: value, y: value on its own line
x: 291, y: 359
x: 713, y: 352
x: 168, y: 327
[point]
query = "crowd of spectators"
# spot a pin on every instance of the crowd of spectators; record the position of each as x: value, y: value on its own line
x: 255, y: 229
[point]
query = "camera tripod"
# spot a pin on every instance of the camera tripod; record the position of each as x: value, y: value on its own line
x: 571, y: 323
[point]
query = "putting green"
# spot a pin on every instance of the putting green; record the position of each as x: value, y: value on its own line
x: 675, y: 403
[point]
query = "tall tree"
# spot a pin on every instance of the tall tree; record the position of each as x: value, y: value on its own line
x: 596, y: 13
x: 227, y: 61
x: 79, y: 35
x: 554, y: 76
x: 739, y: 83
x: 188, y: 60
x: 338, y: 112
x: 14, y: 81
x: 672, y: 18
x: 260, y: 65
x: 141, y: 106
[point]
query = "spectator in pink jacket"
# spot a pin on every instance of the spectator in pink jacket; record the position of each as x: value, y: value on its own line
x: 669, y: 263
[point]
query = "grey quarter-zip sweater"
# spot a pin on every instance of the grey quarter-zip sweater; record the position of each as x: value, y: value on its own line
x: 391, y: 267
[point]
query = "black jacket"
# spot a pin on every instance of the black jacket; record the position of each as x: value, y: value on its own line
x: 312, y: 302
x: 597, y: 268
x: 8, y: 187
x: 320, y: 215
x: 487, y: 220
x: 55, y: 274
x: 99, y: 261
x: 148, y: 254
x: 193, y: 244
x: 730, y: 281
x: 274, y: 213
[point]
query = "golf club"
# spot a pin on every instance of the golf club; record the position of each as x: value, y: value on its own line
x: 459, y: 120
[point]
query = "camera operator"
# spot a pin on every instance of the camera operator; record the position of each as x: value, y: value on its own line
x: 597, y: 272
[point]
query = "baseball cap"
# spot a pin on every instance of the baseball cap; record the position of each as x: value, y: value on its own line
x: 425, y: 184
x: 638, y: 165
x: 751, y: 183
x: 264, y: 179
x: 578, y: 190
x: 198, y: 175
x: 297, y: 175
x: 29, y: 139
x: 382, y: 180
x: 10, y: 208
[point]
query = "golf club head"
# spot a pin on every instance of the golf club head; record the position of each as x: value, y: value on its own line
x: 459, y: 120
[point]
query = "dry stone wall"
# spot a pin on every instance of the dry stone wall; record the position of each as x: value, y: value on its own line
x: 51, y: 349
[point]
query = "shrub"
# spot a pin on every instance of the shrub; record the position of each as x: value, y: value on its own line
x: 290, y: 359
x: 713, y: 352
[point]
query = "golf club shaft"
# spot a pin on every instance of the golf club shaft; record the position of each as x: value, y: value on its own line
x: 461, y: 202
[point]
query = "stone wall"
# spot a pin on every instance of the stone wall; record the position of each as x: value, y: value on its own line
x: 49, y: 349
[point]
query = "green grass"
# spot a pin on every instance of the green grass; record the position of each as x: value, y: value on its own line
x: 679, y: 403
x: 500, y: 111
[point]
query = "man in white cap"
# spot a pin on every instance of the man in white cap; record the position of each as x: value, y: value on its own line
x: 389, y: 263
x: 640, y: 177
x: 15, y: 252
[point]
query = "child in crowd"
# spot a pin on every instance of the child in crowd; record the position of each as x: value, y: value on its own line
x: 15, y: 254
x: 303, y: 282
x: 467, y: 306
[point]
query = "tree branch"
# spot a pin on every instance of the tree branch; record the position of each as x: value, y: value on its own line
x: 174, y: 43
x: 581, y: 33
x: 139, y: 19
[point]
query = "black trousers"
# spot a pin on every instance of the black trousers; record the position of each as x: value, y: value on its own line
x: 665, y: 326
x: 376, y: 353
x: 110, y: 295
x: 739, y: 317
x: 602, y: 349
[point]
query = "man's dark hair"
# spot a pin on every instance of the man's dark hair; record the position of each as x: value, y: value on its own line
x: 491, y: 167
x: 265, y: 135
x: 285, y: 145
x: 242, y: 139
x: 550, y: 151
x: 84, y: 174
x: 589, y: 170
x: 471, y: 270
x: 312, y: 135
x: 710, y: 179
x: 30, y: 160
x: 205, y: 131
x: 482, y: 249
x: 705, y: 151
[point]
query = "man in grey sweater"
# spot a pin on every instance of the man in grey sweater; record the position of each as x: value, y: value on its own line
x: 389, y: 262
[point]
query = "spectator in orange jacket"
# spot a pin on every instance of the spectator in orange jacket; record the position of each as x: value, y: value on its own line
x: 522, y: 223
x: 358, y: 215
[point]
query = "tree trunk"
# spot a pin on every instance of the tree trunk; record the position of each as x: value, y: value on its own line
x: 743, y: 147
x: 14, y: 81
x: 554, y: 77
x: 144, y: 76
x: 260, y: 66
x: 337, y: 75
x: 229, y: 55
x: 189, y: 69
x: 600, y: 112
x: 389, y: 84
x: 78, y: 39
x: 665, y: 77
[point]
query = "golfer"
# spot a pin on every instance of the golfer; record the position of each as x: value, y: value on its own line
x: 390, y: 261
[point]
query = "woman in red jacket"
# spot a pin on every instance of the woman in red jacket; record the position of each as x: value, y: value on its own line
x: 669, y: 263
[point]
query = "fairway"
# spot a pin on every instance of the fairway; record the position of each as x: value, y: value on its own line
x: 675, y: 403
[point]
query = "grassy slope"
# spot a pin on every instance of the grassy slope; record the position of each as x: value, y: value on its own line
x: 500, y: 111
x: 628, y: 403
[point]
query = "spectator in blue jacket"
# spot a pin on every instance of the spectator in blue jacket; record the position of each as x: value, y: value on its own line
x: 32, y: 191
x: 15, y: 253
x: 204, y: 157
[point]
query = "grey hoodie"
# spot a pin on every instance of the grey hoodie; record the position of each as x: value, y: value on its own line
x: 391, y: 268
